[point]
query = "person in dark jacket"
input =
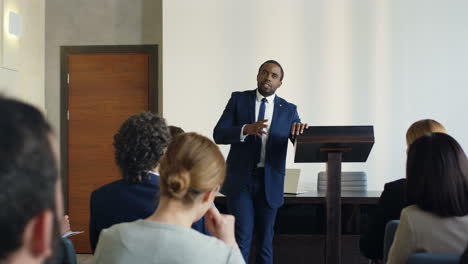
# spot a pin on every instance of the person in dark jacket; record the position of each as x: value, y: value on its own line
x: 31, y: 199
x: 392, y: 199
x: 464, y: 257
x: 139, y: 144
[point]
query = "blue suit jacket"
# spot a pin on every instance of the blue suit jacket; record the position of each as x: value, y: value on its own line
x: 120, y: 202
x: 239, y: 111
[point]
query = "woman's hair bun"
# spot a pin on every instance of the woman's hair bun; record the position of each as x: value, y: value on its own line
x: 191, y: 165
x: 178, y: 183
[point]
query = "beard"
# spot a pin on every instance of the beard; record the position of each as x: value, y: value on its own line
x: 266, y: 90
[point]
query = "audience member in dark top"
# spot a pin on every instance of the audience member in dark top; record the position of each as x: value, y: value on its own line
x: 464, y: 257
x: 192, y: 170
x: 436, y: 220
x: 392, y: 200
x: 30, y: 189
x: 139, y: 144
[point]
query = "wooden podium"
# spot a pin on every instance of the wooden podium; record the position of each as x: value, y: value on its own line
x: 334, y: 145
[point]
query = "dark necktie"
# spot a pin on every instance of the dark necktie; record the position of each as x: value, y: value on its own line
x: 261, y: 116
x: 261, y: 111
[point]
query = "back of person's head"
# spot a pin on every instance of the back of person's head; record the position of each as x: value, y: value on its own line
x: 423, y: 127
x: 28, y: 180
x: 139, y: 145
x: 175, y: 131
x: 437, y: 175
x: 192, y: 165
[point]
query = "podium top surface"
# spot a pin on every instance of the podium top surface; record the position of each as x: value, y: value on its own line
x: 328, y: 134
x: 354, y: 142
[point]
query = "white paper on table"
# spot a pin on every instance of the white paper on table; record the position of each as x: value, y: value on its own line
x: 71, y: 233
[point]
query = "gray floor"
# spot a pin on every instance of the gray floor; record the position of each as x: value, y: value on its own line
x: 84, y: 258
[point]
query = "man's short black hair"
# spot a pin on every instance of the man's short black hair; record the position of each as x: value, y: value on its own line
x: 277, y: 64
x: 437, y: 175
x: 28, y: 171
x: 139, y: 144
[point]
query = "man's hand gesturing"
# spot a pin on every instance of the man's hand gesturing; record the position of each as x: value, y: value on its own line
x: 257, y: 128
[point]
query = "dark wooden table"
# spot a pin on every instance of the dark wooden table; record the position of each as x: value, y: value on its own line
x: 301, y: 226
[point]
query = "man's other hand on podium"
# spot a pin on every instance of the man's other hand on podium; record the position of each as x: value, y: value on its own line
x: 297, y: 129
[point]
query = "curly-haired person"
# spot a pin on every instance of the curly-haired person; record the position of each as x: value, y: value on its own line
x: 139, y: 145
x: 192, y: 171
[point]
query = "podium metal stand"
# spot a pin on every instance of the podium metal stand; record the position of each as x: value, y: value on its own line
x: 334, y: 145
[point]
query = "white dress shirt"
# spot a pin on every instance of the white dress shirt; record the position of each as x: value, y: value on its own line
x: 269, y: 107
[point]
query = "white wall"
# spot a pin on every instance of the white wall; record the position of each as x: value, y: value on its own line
x: 363, y: 62
x: 25, y: 80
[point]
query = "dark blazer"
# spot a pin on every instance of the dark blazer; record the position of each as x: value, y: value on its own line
x: 120, y: 202
x: 389, y: 207
x: 239, y: 111
x: 464, y: 257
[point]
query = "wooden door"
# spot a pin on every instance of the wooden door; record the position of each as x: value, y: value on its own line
x: 103, y: 91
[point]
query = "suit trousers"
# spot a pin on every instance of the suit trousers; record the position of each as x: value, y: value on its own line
x: 254, y: 215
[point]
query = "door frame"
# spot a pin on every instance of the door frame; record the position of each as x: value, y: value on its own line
x: 154, y: 92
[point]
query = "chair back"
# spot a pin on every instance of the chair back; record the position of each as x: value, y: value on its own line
x: 390, y: 230
x: 69, y: 252
x: 426, y: 258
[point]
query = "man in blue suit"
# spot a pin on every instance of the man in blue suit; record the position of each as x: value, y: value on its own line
x: 257, y: 124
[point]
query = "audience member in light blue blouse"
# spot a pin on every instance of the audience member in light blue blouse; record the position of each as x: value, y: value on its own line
x: 191, y: 172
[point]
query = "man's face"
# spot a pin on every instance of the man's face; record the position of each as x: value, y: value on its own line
x: 268, y: 79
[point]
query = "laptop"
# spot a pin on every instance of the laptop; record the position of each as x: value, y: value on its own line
x: 291, y: 181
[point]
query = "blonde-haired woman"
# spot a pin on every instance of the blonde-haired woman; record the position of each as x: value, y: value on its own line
x: 191, y: 172
x: 421, y: 128
x: 392, y: 200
